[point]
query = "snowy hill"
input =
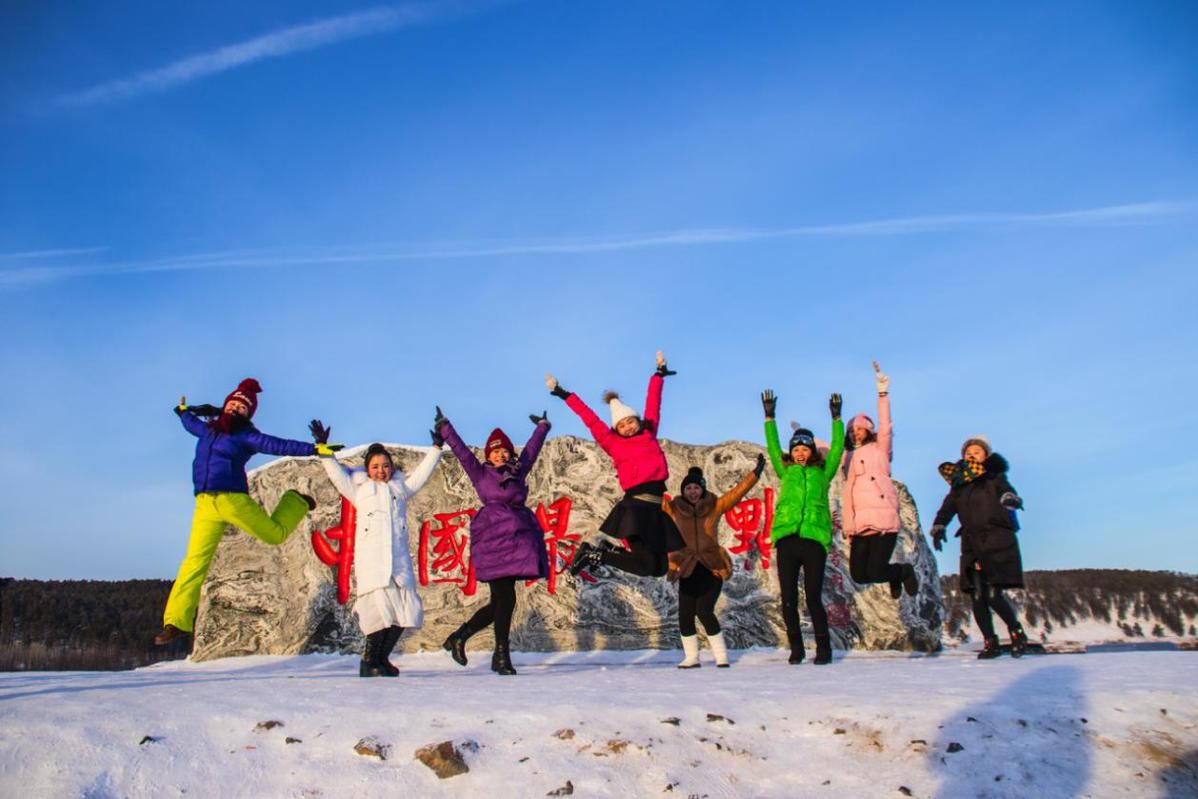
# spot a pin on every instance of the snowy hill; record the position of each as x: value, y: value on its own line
x: 612, y: 724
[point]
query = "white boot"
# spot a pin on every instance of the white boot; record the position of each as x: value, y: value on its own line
x: 718, y: 650
x: 690, y: 645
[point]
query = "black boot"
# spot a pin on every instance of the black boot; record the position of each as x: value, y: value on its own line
x: 896, y: 588
x: 797, y: 652
x: 910, y: 580
x: 390, y: 639
x: 501, y: 661
x: 587, y: 556
x: 1018, y: 641
x: 455, y: 644
x: 823, y: 650
x: 369, y: 667
x: 990, y: 649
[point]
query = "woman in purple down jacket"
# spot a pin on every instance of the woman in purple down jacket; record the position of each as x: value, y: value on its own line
x: 506, y: 540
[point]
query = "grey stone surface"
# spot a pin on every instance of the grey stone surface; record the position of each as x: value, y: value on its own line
x: 260, y: 599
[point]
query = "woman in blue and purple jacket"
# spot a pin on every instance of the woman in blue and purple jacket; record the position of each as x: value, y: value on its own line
x: 226, y: 442
x: 507, y: 543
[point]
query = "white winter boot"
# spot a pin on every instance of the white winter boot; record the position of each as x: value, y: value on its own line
x: 718, y: 650
x: 690, y: 646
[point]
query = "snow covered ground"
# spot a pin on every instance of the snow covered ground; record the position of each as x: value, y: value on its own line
x: 619, y: 724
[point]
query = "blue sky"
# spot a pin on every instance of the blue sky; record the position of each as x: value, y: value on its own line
x: 375, y: 209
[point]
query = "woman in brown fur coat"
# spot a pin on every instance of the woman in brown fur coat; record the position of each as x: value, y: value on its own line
x: 702, y: 565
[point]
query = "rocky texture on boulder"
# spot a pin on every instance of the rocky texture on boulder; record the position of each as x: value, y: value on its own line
x: 282, y: 600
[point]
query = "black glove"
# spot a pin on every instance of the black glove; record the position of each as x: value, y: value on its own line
x: 438, y: 439
x: 439, y: 419
x: 1011, y: 501
x: 320, y: 433
x: 560, y: 392
x: 760, y: 467
x: 664, y: 371
x: 769, y: 403
x: 544, y: 417
x: 205, y: 410
x: 834, y: 403
x: 938, y: 536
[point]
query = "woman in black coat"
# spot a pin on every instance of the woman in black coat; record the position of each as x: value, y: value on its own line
x: 982, y: 498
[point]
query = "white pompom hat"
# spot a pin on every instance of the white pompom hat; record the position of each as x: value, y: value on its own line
x: 618, y: 409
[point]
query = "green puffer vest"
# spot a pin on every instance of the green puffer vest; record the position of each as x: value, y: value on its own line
x: 802, y: 505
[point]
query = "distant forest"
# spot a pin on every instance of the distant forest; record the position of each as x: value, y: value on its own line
x: 48, y: 625
x: 1140, y: 603
x: 87, y: 625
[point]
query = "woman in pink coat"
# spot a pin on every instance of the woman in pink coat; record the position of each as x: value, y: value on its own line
x: 869, y: 501
x: 638, y: 518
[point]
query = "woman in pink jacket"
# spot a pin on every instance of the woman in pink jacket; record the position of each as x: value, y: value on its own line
x: 869, y: 502
x: 638, y: 518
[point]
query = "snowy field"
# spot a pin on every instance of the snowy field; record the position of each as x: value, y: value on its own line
x: 615, y: 724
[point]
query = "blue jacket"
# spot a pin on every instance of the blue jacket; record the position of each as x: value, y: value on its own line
x: 220, y: 459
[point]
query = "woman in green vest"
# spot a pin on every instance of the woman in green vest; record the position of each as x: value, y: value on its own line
x: 802, y: 526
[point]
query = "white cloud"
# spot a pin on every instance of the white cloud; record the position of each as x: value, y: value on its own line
x: 1106, y: 216
x: 271, y: 45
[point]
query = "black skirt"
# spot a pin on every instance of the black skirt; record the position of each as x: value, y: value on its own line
x: 639, y: 517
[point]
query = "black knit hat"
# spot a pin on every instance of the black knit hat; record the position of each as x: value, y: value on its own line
x: 694, y: 475
x: 802, y: 436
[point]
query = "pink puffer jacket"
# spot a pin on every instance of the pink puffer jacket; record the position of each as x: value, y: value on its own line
x: 868, y: 500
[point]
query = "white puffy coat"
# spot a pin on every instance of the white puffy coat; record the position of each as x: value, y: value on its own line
x: 381, y: 552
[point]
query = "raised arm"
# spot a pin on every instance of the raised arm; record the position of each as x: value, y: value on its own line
x: 474, y: 469
x: 191, y: 423
x: 885, y: 427
x: 416, y: 480
x: 341, y: 476
x: 774, y: 448
x: 728, y: 500
x: 836, y: 450
x: 532, y: 450
x: 601, y: 432
x: 272, y: 445
x: 652, y: 417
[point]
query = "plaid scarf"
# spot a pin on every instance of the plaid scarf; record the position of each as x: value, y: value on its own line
x: 961, y: 472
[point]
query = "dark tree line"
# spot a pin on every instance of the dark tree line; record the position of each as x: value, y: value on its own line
x: 1138, y: 602
x: 81, y: 624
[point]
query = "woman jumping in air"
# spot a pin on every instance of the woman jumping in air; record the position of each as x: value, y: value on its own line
x: 869, y: 501
x: 638, y: 518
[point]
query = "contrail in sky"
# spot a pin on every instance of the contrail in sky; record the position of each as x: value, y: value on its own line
x: 1105, y: 216
x: 275, y: 44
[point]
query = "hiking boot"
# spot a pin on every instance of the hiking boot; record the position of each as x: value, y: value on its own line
x: 990, y: 649
x: 896, y: 589
x: 169, y: 633
x: 390, y: 639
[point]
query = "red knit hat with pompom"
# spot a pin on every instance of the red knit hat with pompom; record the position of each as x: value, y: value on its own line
x: 498, y: 440
x: 247, y: 391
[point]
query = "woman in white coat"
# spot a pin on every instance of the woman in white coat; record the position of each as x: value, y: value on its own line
x: 386, y: 601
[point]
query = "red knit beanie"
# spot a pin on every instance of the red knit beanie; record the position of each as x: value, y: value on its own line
x: 498, y: 440
x: 247, y: 392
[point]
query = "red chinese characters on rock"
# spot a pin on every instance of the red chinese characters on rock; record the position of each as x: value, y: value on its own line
x: 751, y: 521
x: 341, y: 557
x: 444, y: 552
x: 559, y: 541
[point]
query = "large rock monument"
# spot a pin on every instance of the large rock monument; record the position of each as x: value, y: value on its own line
x: 282, y: 600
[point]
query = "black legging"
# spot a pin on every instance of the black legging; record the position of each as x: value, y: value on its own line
x: 988, y: 597
x: 497, y: 611
x: 796, y: 553
x: 639, y: 559
x: 869, y: 559
x: 697, y: 596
